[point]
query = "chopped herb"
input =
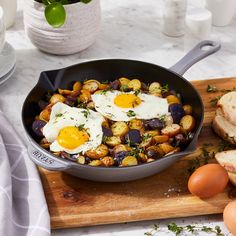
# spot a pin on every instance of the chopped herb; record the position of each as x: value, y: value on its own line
x: 107, y: 106
x: 124, y: 88
x: 182, y: 230
x: 146, y: 137
x: 58, y: 115
x: 104, y: 91
x: 162, y: 118
x: 211, y: 89
x: 224, y: 146
x: 86, y: 113
x: 71, y: 118
x: 137, y: 92
x: 214, y: 101
x: 80, y: 127
x: 131, y: 113
x: 78, y: 100
x: 105, y: 138
x: 105, y: 82
x: 165, y: 88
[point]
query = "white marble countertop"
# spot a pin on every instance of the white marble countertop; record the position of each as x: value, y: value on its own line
x: 130, y: 29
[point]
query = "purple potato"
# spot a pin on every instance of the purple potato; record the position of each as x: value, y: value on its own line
x: 107, y: 132
x: 171, y: 92
x: 119, y: 157
x: 152, y: 154
x: 133, y: 136
x: 153, y: 124
x: 115, y: 85
x: 71, y: 98
x: 177, y: 112
x: 179, y: 140
x: 37, y: 127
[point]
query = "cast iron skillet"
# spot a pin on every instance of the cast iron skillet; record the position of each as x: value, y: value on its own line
x: 112, y: 69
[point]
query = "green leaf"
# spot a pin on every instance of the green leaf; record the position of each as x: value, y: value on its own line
x: 55, y: 14
x: 85, y: 1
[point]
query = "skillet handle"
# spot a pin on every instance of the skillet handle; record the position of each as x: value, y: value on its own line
x: 45, y: 161
x: 195, y: 55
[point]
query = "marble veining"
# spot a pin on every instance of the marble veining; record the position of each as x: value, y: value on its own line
x: 130, y: 29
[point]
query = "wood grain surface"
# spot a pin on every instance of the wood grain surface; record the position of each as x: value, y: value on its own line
x: 74, y: 202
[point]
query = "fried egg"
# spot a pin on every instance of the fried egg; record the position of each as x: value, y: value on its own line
x: 125, y: 106
x: 73, y: 130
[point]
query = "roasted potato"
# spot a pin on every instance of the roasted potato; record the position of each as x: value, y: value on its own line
x: 124, y: 81
x: 105, y: 123
x: 172, y: 99
x: 85, y: 96
x: 133, y: 137
x: 99, y: 152
x: 113, y: 141
x: 121, y: 148
x: 154, y: 152
x: 45, y: 114
x: 134, y: 84
x: 90, y: 105
x: 57, y: 98
x: 155, y: 88
x: 81, y: 160
x: 154, y: 123
x: 119, y: 128
x: 103, y: 87
x: 152, y: 133
x: 174, y: 151
x: 108, y: 161
x: 188, y: 109
x: 91, y: 86
x: 136, y: 124
x: 166, y: 147
x: 143, y: 157
x: 37, y: 127
x: 188, y: 123
x: 171, y: 130
x: 160, y: 138
x: 64, y: 92
x: 129, y: 161
x: 96, y: 163
x: 150, y: 160
x: 77, y: 86
x: 168, y: 120
x: 44, y: 143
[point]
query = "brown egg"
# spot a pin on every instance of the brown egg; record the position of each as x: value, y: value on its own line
x: 208, y: 180
x: 229, y: 215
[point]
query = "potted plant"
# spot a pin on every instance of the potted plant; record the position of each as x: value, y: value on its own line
x: 62, y: 27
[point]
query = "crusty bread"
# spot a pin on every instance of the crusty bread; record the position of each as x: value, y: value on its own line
x: 227, y: 103
x: 223, y: 127
x: 227, y: 159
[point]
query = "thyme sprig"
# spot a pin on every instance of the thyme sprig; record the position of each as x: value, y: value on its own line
x: 193, y: 229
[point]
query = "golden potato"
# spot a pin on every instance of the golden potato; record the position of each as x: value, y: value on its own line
x: 91, y: 105
x: 188, y: 123
x: 113, y: 141
x: 77, y: 86
x: 96, y: 163
x: 160, y: 138
x: 142, y: 157
x: 157, y: 149
x: 135, y: 84
x: 91, y: 86
x: 108, y: 161
x: 105, y: 123
x: 166, y: 147
x: 152, y: 133
x: 45, y: 114
x: 44, y: 143
x: 129, y: 161
x: 121, y: 148
x: 103, y: 86
x: 188, y: 109
x: 136, y: 124
x: 119, y: 128
x: 99, y: 152
x: 155, y: 87
x: 171, y: 99
x: 146, y: 142
x: 85, y: 96
x: 81, y: 160
x: 177, y: 149
x: 171, y: 130
x: 150, y: 160
x: 124, y: 81
x: 57, y: 98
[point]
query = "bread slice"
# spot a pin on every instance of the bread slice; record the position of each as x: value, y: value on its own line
x: 227, y: 103
x: 227, y: 159
x: 223, y: 127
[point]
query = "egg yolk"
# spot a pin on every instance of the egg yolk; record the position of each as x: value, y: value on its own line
x: 71, y: 137
x: 127, y: 101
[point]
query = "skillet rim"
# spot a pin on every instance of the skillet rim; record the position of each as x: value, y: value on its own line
x: 69, y: 164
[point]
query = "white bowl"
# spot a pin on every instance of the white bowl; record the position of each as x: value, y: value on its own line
x: 79, y: 31
x: 2, y: 29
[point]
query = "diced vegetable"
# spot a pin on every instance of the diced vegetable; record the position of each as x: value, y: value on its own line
x: 188, y: 123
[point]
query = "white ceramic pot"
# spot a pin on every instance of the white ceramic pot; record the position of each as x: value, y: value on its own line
x: 79, y: 31
x: 9, y: 8
x: 222, y: 11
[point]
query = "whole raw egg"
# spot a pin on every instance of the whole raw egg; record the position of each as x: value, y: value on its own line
x: 208, y: 180
x: 229, y: 215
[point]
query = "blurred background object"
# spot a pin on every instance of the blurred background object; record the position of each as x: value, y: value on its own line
x: 9, y: 8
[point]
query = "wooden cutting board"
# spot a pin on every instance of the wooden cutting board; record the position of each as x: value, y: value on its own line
x: 74, y: 202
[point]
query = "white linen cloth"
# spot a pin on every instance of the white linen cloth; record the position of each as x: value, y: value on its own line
x: 23, y: 208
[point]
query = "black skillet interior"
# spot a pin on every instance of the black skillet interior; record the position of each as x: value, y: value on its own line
x: 110, y: 70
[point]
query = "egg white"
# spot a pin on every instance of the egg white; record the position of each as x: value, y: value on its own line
x: 150, y: 107
x: 62, y: 116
